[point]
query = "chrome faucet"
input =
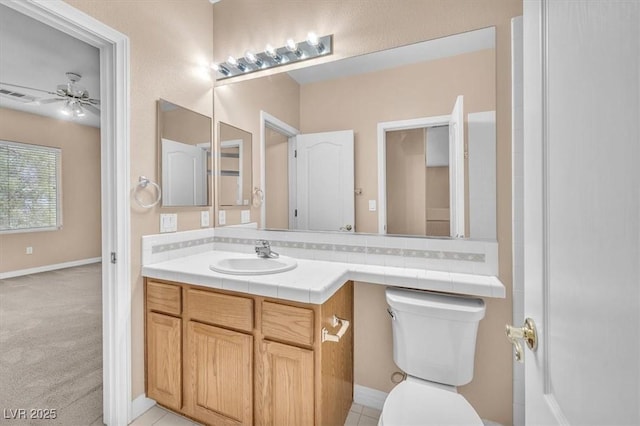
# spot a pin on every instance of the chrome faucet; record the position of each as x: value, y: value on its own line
x: 263, y: 249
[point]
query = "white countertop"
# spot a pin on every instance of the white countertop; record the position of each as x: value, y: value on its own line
x: 315, y: 281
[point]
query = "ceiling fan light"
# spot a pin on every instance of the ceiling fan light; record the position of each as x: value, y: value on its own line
x: 67, y: 109
x: 78, y: 111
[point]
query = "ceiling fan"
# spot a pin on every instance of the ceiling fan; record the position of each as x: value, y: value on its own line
x: 75, y: 96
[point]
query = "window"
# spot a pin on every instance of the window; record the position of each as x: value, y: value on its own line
x: 30, y: 193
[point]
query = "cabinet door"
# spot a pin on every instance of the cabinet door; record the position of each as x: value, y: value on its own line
x: 164, y: 359
x: 219, y: 378
x: 284, y: 385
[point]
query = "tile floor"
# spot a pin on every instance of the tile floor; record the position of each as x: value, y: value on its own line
x: 359, y: 415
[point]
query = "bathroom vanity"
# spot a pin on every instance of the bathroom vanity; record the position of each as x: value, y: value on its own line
x: 232, y: 358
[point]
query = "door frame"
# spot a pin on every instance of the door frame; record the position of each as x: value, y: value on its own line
x: 268, y: 120
x: 383, y: 128
x: 235, y: 143
x: 115, y: 209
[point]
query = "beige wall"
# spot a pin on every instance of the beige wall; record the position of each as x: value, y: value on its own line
x: 406, y: 182
x: 80, y: 236
x: 170, y: 43
x: 361, y: 27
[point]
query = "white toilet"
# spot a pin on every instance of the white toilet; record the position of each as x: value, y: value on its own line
x: 434, y: 343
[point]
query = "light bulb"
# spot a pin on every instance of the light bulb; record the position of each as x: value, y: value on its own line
x: 314, y: 41
x: 220, y: 68
x: 292, y: 46
x: 251, y: 58
x: 234, y: 62
x: 272, y: 53
x: 312, y: 38
x: 66, y: 109
x: 77, y: 110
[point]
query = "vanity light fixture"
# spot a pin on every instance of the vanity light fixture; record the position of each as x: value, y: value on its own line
x: 271, y: 57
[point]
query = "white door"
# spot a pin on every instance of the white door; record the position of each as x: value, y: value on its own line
x: 456, y: 168
x: 325, y: 181
x: 582, y: 211
x: 183, y: 174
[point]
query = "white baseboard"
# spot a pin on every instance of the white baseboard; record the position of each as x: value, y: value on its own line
x: 47, y: 268
x: 140, y: 405
x: 369, y: 397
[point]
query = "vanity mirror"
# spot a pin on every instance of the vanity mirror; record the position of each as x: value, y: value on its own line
x: 401, y: 171
x: 185, y: 161
x: 234, y: 181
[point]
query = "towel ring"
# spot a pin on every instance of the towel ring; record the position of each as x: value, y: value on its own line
x: 258, y: 197
x: 143, y: 182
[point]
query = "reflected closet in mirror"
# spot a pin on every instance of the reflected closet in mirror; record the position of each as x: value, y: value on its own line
x: 234, y: 180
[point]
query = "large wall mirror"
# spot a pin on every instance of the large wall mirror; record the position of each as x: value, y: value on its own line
x: 185, y: 160
x: 234, y: 180
x: 401, y: 141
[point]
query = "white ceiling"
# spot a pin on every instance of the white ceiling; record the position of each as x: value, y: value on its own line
x: 35, y: 55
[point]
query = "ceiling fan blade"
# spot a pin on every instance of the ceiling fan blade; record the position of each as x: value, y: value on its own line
x: 27, y: 87
x: 91, y: 109
x: 92, y: 101
x: 49, y: 101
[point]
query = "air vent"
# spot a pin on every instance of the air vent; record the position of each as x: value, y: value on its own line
x: 16, y: 96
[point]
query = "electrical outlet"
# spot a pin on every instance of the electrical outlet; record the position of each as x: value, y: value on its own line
x: 204, y: 218
x: 245, y: 216
x: 168, y: 222
x: 29, y: 250
x: 222, y: 217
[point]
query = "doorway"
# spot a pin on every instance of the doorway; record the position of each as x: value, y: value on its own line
x: 115, y: 223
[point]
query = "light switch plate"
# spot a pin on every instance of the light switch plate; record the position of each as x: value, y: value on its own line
x: 204, y: 218
x: 168, y: 222
x: 222, y: 217
x: 372, y: 205
x: 245, y: 216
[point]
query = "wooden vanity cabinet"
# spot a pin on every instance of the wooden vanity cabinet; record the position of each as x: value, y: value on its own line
x: 218, y: 384
x: 248, y: 360
x: 163, y: 347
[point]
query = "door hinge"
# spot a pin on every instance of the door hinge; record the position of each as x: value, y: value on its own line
x: 295, y: 153
x: 113, y: 257
x: 295, y: 213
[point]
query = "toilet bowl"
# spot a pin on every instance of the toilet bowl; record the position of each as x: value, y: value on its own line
x: 434, y: 338
x: 418, y: 403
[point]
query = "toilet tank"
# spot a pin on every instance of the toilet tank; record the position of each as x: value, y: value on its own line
x: 434, y: 335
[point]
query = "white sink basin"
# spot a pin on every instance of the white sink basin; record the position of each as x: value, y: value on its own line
x: 253, y: 265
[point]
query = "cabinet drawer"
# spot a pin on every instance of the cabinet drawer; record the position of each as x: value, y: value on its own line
x: 288, y: 323
x: 220, y: 309
x: 163, y: 298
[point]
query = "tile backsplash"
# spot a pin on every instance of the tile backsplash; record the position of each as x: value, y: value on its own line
x: 466, y: 256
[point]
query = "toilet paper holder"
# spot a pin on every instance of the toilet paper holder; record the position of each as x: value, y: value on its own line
x: 335, y: 321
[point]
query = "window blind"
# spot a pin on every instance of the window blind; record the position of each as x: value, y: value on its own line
x: 30, y: 195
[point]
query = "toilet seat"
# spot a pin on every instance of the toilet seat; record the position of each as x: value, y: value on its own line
x: 412, y: 403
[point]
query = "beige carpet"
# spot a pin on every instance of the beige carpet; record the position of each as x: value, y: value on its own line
x: 51, y: 346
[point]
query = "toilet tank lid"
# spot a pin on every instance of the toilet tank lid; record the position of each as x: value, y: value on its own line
x: 437, y: 305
